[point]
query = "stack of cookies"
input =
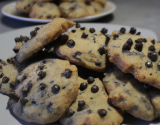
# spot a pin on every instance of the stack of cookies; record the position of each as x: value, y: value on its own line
x: 59, y: 76
x: 49, y: 9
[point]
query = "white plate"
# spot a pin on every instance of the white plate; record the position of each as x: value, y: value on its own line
x: 6, y: 45
x: 9, y: 10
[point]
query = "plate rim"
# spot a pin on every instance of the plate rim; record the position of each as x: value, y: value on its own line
x: 114, y: 7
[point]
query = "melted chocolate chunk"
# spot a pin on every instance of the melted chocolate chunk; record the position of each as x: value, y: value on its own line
x: 67, y: 73
x: 27, y: 88
x: 84, y: 35
x: 24, y: 38
x: 81, y: 104
x: 70, y: 112
x: 55, y: 89
x: 42, y: 86
x: 5, y: 79
x: 104, y: 30
x: 98, y: 63
x: 78, y: 25
x: 123, y: 30
x: 73, y: 31
x: 101, y: 50
x: 83, y: 86
x: 12, y: 85
x: 23, y: 101
x: 152, y: 48
x: 153, y: 41
x: 139, y: 33
x: 130, y: 42
x: 140, y: 40
x: 153, y: 56
x: 126, y: 46
x: 138, y: 47
x: 102, y: 112
x: 33, y: 33
x: 77, y: 54
x: 70, y: 43
x: 132, y: 30
x: 1, y: 74
x: 148, y: 64
x: 16, y: 50
x: 82, y: 28
x: 41, y: 74
x: 92, y: 30
x: 17, y: 39
x: 95, y: 89
x: 90, y: 80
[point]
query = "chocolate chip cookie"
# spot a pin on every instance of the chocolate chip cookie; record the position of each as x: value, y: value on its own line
x: 136, y: 55
x: 127, y: 93
x: 86, y: 47
x: 8, y: 74
x: 91, y: 106
x: 42, y: 37
x: 44, y: 10
x: 24, y: 6
x: 46, y: 90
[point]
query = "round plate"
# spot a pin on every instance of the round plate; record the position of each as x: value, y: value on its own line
x: 9, y: 10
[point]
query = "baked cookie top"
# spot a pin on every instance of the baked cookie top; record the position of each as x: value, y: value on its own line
x: 46, y: 90
x: 86, y: 47
x: 91, y: 106
x: 43, y: 36
x: 44, y: 10
x: 8, y: 74
x: 136, y: 55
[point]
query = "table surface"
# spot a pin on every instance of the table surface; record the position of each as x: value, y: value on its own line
x: 137, y: 13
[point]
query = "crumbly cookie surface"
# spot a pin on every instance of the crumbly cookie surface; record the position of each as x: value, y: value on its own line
x: 127, y: 93
x: 85, y: 47
x: 46, y: 90
x: 136, y: 55
x: 43, y: 36
x: 44, y: 10
x: 8, y: 74
x: 91, y: 106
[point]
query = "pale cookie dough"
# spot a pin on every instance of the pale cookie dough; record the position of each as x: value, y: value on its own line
x: 43, y: 36
x: 46, y: 90
x: 91, y: 106
x: 136, y: 55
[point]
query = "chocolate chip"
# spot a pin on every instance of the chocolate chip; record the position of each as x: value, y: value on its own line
x: 81, y: 103
x: 0, y: 66
x: 41, y: 67
x: 16, y: 50
x: 139, y: 33
x: 107, y: 39
x: 144, y: 40
x: 132, y: 30
x: 42, y: 86
x: 83, y: 86
x: 17, y: 39
x: 77, y: 54
x: 153, y: 41
x: 92, y: 30
x: 148, y: 64
x: 5, y: 79
x: 78, y: 25
x: 98, y: 63
x: 153, y: 56
x: 67, y: 73
x: 1, y: 74
x: 84, y: 35
x: 95, y: 89
x: 49, y: 108
x: 73, y: 31
x: 33, y: 102
x: 130, y: 42
x: 27, y: 88
x: 0, y: 85
x: 33, y: 33
x: 152, y: 48
x: 70, y: 43
x: 70, y: 112
x: 88, y: 2
x: 159, y: 53
x: 55, y: 89
x: 12, y: 85
x: 23, y: 101
x: 123, y: 30
x: 72, y: 8
x: 89, y: 111
x: 40, y: 4
x: 24, y: 38
x: 101, y: 50
x: 140, y: 40
x: 49, y: 16
x: 138, y: 47
x: 41, y: 74
x: 126, y: 46
x: 115, y: 36
x: 82, y: 28
x: 90, y: 80
x: 104, y: 30
x: 37, y: 28
x: 102, y: 112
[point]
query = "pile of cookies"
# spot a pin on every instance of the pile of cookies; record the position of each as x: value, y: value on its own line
x: 49, y: 9
x: 85, y: 77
